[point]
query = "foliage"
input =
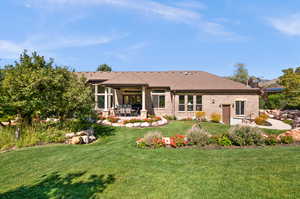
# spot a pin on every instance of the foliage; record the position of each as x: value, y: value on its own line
x: 264, y: 116
x: 36, y: 88
x: 113, y: 119
x: 186, y: 119
x: 290, y: 80
x: 153, y: 139
x: 224, y: 141
x: 198, y: 136
x: 240, y: 74
x: 104, y: 68
x: 200, y: 115
x: 245, y: 135
x: 178, y: 141
x: 215, y: 117
x: 170, y: 117
x: 276, y: 101
x: 289, y: 122
x: 271, y: 140
x: 260, y: 120
x: 286, y: 139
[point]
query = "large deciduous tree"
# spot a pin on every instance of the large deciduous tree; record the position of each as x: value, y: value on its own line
x: 34, y: 87
x: 240, y: 74
x: 290, y: 80
x: 104, y: 68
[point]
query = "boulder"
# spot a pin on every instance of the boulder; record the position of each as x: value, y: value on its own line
x: 137, y: 124
x: 293, y: 133
x: 154, y: 124
x: 70, y: 135
x: 116, y: 124
x: 129, y: 125
x: 85, y: 139
x: 92, y: 138
x: 145, y: 124
x: 76, y: 140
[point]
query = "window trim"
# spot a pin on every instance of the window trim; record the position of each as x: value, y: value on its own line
x: 159, y: 94
x: 235, y: 104
x: 109, y: 94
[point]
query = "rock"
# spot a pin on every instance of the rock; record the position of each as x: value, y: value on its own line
x: 116, y: 124
x: 160, y: 122
x: 76, y: 140
x: 85, y: 139
x: 85, y: 132
x: 293, y: 133
x: 70, y: 135
x: 154, y: 124
x: 145, y: 124
x: 129, y: 125
x: 92, y: 138
x: 137, y: 124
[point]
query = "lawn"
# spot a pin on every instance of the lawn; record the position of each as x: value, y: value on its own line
x: 114, y: 168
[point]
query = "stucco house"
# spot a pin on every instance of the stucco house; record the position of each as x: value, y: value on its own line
x: 176, y: 93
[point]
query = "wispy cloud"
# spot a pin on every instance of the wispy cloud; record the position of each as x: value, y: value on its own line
x: 289, y: 25
x: 48, y: 43
x: 182, y: 13
x: 191, y: 4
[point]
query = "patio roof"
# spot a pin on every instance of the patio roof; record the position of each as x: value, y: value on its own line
x: 175, y: 80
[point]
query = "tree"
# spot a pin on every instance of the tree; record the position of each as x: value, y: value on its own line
x: 36, y: 88
x: 290, y: 80
x: 104, y: 67
x: 240, y: 74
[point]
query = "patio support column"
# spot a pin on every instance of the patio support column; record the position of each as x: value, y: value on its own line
x: 106, y: 111
x: 144, y: 110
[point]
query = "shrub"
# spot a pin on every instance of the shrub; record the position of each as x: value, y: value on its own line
x: 186, y: 119
x: 289, y: 122
x: 200, y: 115
x: 215, y: 117
x: 271, y: 140
x: 224, y: 141
x: 178, y: 141
x: 198, y: 136
x: 245, y: 135
x: 261, y: 120
x: 153, y: 139
x: 113, y: 119
x: 276, y: 101
x: 264, y: 116
x: 286, y: 139
x: 170, y: 117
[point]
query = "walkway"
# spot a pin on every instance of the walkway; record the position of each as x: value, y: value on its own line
x: 276, y: 124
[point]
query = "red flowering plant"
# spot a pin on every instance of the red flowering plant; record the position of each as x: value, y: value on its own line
x: 179, y: 141
x: 140, y: 142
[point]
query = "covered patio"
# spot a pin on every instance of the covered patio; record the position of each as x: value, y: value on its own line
x: 123, y: 96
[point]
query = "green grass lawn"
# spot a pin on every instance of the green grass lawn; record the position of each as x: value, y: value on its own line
x: 114, y: 168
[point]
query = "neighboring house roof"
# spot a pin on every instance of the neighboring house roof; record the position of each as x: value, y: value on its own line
x: 270, y: 84
x: 175, y: 80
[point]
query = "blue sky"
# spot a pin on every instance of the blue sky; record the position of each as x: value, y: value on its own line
x: 144, y: 35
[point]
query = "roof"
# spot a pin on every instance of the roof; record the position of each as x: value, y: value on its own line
x: 175, y: 80
x: 270, y: 84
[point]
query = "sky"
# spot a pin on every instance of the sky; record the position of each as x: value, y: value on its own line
x: 147, y: 35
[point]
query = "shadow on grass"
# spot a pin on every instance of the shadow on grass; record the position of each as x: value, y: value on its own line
x: 62, y: 186
x: 101, y: 130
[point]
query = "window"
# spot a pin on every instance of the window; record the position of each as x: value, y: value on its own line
x: 158, y: 98
x: 198, y: 103
x: 181, y: 106
x: 190, y: 104
x: 100, y: 89
x: 101, y: 101
x: 100, y: 97
x: 240, y: 107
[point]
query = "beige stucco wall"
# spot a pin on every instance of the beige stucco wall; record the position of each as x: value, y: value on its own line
x: 168, y: 110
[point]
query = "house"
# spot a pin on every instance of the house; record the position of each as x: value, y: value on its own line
x: 176, y: 93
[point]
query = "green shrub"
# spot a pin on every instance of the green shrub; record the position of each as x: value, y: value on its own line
x: 245, y: 135
x: 224, y: 141
x: 276, y: 101
x: 198, y: 136
x: 271, y: 140
x: 215, y: 117
x: 286, y: 139
x: 289, y: 122
x: 170, y: 117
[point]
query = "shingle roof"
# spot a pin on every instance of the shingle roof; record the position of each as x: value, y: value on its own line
x: 175, y: 80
